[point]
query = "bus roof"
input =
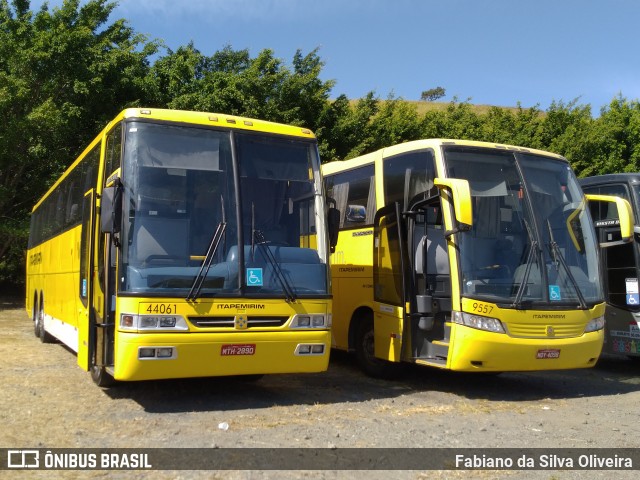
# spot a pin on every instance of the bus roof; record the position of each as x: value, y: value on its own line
x: 433, y: 143
x: 217, y: 119
x: 610, y: 178
x: 185, y: 116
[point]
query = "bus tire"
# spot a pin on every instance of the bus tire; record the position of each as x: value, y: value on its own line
x: 34, y: 316
x: 44, y: 336
x: 372, y: 366
x: 101, y: 377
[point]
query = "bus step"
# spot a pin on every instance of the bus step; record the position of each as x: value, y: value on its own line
x: 432, y: 362
x: 442, y: 343
x: 447, y: 331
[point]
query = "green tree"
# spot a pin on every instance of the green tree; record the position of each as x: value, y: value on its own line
x: 232, y: 82
x: 63, y: 73
x: 619, y: 129
x: 433, y: 94
x: 458, y: 120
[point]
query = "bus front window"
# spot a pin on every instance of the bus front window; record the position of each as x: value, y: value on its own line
x: 531, y: 241
x: 181, y: 188
x: 178, y: 188
x: 284, y: 237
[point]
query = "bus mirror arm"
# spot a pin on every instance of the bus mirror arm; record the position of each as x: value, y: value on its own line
x: 460, y: 227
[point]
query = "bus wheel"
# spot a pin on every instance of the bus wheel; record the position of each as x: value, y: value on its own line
x: 371, y: 365
x: 45, y: 337
x: 101, y: 377
x: 34, y: 316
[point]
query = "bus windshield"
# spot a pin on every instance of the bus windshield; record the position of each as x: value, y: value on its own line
x: 192, y: 195
x: 532, y: 244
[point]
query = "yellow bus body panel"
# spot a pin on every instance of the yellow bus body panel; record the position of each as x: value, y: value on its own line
x: 199, y: 350
x: 529, y: 332
x: 199, y: 354
x: 477, y: 351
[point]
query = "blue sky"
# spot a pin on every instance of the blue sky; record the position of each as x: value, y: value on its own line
x: 494, y: 52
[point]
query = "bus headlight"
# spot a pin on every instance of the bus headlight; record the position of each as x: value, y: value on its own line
x: 152, y: 323
x: 488, y: 324
x: 594, y: 325
x: 310, y: 321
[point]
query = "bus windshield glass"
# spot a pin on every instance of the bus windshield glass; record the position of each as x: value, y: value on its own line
x: 192, y: 195
x: 531, y: 244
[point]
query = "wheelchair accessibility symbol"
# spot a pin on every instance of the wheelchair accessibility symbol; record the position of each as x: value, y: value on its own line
x: 633, y: 299
x: 254, y: 277
x: 554, y: 293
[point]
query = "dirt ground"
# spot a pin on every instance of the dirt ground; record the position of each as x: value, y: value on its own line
x: 49, y: 402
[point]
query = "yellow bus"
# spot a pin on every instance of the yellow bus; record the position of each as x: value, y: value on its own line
x: 620, y: 264
x: 467, y: 256
x: 185, y: 244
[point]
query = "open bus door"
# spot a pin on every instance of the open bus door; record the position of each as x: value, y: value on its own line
x: 385, y: 341
x: 93, y: 342
x: 85, y: 287
x: 101, y: 313
x: 620, y: 272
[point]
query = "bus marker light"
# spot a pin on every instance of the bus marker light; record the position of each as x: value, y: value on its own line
x: 309, y: 349
x: 127, y: 321
x: 310, y: 321
x: 488, y: 324
x: 146, y: 352
x: 317, y: 321
x: 595, y: 325
x: 148, y: 322
x: 165, y: 352
x: 168, y: 322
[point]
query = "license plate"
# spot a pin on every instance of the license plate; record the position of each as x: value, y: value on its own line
x: 549, y: 353
x: 235, y: 349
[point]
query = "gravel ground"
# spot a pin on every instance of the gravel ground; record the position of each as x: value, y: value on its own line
x: 49, y: 402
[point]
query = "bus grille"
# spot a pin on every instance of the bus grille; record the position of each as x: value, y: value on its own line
x: 228, y: 322
x: 560, y: 330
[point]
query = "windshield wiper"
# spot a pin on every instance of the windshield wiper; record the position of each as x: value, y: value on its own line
x: 556, y: 253
x: 259, y: 239
x: 533, y: 249
x: 196, y: 288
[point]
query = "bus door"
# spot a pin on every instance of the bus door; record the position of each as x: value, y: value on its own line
x: 620, y: 265
x: 430, y: 296
x: 102, y: 311
x: 389, y: 283
x: 85, y: 287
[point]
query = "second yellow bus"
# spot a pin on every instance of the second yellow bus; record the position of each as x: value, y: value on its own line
x: 468, y: 256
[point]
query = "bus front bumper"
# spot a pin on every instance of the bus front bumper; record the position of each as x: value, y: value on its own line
x: 477, y: 351
x: 163, y: 356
